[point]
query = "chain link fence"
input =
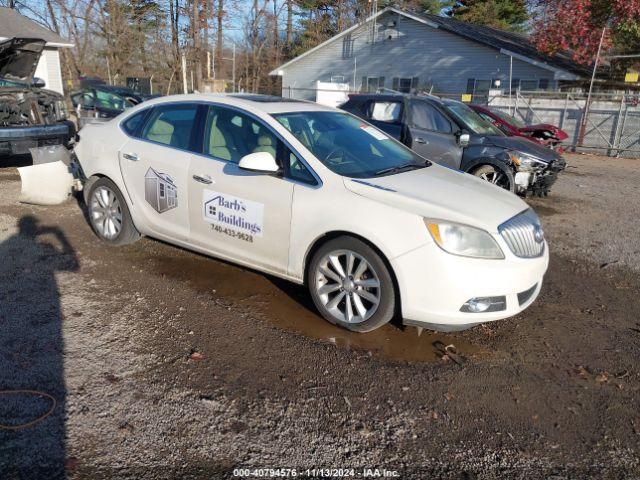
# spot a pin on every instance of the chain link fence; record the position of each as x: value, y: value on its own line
x: 612, y: 124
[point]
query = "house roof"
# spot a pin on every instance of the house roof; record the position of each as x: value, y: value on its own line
x: 509, y: 43
x: 13, y: 24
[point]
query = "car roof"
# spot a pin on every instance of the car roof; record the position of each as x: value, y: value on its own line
x: 265, y: 103
x: 400, y: 96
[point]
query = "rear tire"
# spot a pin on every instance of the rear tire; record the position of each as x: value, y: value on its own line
x: 501, y: 177
x: 351, y: 286
x: 109, y: 215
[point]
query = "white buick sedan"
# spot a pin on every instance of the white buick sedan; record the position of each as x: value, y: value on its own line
x: 319, y: 197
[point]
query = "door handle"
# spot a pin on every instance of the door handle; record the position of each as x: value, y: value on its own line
x: 421, y: 140
x: 131, y: 156
x: 206, y: 179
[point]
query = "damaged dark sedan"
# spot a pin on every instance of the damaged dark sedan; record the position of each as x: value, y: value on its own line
x: 30, y: 115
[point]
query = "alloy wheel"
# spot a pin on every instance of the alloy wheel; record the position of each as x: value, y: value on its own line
x: 496, y: 177
x: 105, y: 212
x: 347, y: 286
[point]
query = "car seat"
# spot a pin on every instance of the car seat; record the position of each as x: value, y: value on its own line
x: 160, y: 132
x: 221, y: 145
x: 265, y: 144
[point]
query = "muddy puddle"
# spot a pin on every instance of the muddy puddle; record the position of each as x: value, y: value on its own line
x: 289, y: 307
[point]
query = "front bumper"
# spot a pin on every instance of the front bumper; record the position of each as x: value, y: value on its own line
x: 18, y: 140
x: 539, y: 182
x: 434, y: 285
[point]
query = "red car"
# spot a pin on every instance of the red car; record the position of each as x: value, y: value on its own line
x: 543, y: 133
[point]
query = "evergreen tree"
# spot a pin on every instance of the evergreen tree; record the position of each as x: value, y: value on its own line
x: 502, y: 14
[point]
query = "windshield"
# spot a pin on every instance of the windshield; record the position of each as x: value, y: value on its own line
x: 111, y: 101
x: 471, y: 120
x: 507, y: 118
x: 348, y: 146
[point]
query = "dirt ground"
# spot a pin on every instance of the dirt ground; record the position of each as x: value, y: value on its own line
x: 161, y: 363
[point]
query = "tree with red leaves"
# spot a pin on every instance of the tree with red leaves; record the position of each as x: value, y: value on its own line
x: 576, y: 26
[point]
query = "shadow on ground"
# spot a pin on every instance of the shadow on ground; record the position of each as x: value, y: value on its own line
x: 32, y: 388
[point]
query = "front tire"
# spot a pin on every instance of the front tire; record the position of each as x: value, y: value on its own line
x: 351, y: 286
x: 109, y: 215
x: 500, y: 177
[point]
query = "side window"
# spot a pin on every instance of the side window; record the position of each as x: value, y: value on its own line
x: 296, y: 170
x: 443, y: 125
x: 486, y: 117
x: 171, y: 125
x: 230, y: 135
x: 386, y: 111
x: 426, y: 117
x: 132, y: 124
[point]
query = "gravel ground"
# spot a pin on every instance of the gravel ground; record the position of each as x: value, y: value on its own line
x: 161, y: 363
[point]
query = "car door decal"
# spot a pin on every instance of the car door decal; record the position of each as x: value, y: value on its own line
x: 160, y: 191
x: 233, y: 216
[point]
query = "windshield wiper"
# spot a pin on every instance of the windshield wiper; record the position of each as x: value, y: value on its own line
x: 399, y: 168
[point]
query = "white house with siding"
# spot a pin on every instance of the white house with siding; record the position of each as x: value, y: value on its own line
x: 404, y: 51
x: 13, y: 24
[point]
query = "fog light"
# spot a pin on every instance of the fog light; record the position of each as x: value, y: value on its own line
x: 484, y: 304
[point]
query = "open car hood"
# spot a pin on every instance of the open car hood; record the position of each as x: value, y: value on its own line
x: 19, y: 58
x: 561, y: 134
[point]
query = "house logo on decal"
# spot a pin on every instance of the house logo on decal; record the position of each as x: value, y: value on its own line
x: 160, y: 191
x: 210, y: 207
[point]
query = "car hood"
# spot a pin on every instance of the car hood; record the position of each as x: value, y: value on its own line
x: 545, y: 126
x: 442, y: 193
x: 523, y: 145
x: 19, y: 58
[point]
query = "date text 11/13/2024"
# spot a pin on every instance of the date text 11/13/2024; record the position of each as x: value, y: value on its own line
x: 315, y: 473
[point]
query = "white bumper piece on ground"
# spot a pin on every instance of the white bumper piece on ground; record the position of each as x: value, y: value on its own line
x: 50, y: 180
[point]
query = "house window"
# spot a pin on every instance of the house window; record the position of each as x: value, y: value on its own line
x: 347, y: 46
x: 337, y: 79
x: 543, y: 84
x: 528, y: 85
x: 471, y: 85
x: 405, y: 84
x: 372, y: 84
x: 162, y: 192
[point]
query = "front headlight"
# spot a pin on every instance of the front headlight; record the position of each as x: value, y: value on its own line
x: 526, y: 162
x: 463, y: 240
x: 61, y: 110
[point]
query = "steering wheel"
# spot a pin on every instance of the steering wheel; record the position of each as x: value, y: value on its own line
x: 333, y: 152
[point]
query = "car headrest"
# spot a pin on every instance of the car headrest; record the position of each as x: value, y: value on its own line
x: 160, y: 127
x: 265, y: 141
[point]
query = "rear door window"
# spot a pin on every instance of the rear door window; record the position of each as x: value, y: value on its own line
x: 171, y: 125
x: 132, y: 124
x: 386, y: 111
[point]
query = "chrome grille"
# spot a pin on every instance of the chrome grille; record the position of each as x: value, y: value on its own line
x: 523, y: 234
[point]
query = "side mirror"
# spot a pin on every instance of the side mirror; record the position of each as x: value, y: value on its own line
x: 38, y: 82
x: 463, y: 138
x: 261, y: 162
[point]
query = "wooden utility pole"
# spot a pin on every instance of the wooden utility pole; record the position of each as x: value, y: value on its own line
x: 195, y: 25
x: 585, y: 115
x: 289, y: 34
x: 185, y: 87
x: 219, y: 45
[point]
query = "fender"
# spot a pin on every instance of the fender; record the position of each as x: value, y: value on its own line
x: 503, y: 165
